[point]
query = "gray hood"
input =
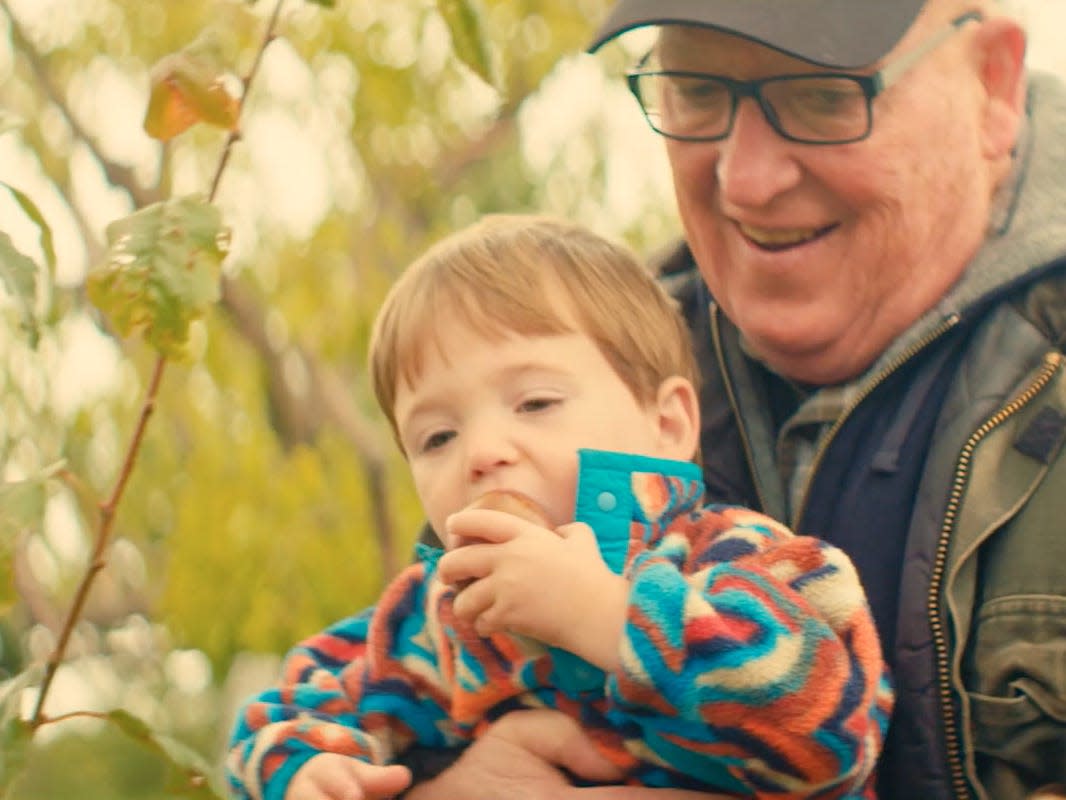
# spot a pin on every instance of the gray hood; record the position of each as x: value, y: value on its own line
x: 1028, y: 230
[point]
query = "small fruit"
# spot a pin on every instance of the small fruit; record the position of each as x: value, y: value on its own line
x: 515, y: 503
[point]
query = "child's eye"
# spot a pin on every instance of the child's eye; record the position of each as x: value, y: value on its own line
x: 534, y: 404
x: 436, y: 440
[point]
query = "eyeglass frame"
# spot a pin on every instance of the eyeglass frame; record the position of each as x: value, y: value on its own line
x: 871, y: 86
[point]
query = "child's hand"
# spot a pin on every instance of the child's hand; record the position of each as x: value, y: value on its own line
x: 331, y: 776
x: 526, y: 579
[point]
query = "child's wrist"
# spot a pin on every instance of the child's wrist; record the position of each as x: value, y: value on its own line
x: 605, y: 613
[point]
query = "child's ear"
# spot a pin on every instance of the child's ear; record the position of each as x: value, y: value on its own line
x: 678, y: 408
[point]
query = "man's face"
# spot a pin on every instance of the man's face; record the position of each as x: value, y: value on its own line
x: 823, y: 254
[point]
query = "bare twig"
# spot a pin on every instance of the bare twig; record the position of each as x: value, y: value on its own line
x: 235, y: 134
x: 103, y: 535
x: 100, y: 715
x: 109, y: 507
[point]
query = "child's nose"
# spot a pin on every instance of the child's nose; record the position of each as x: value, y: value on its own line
x: 488, y: 449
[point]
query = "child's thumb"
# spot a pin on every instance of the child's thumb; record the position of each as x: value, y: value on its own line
x: 576, y: 531
x: 581, y: 540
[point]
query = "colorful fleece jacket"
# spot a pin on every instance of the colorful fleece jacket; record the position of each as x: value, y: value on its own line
x: 749, y: 662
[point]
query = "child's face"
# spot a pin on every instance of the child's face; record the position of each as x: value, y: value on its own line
x: 511, y: 414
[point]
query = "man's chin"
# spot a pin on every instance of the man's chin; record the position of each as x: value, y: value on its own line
x: 810, y: 361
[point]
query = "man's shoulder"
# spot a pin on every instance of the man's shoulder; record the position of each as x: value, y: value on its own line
x: 673, y: 263
x: 1043, y: 302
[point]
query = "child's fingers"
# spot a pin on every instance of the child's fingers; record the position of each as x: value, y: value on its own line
x: 327, y: 776
x: 378, y: 782
x: 487, y: 525
x: 338, y: 785
x: 471, y: 604
x: 332, y: 776
x: 575, y: 530
x: 465, y: 564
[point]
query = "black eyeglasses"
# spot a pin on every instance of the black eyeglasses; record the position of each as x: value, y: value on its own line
x: 817, y: 108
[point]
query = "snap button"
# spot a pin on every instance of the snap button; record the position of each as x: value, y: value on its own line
x: 607, y: 501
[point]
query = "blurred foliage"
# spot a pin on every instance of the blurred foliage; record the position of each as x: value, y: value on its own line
x: 268, y: 499
x: 102, y: 765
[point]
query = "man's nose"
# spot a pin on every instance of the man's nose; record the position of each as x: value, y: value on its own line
x: 755, y: 163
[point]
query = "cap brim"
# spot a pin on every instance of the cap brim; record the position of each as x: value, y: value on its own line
x: 846, y: 34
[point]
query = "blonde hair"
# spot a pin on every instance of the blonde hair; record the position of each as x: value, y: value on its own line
x: 532, y: 276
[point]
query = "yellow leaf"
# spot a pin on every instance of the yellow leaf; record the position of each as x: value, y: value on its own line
x: 187, y: 90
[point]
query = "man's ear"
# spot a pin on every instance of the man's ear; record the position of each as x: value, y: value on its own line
x: 1001, y: 48
x: 678, y: 408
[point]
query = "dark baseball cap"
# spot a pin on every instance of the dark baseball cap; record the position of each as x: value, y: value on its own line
x: 832, y: 33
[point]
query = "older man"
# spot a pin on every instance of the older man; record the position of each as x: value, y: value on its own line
x: 873, y: 195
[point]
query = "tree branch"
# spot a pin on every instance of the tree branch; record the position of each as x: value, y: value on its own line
x: 103, y: 537
x: 109, y: 507
x: 298, y: 416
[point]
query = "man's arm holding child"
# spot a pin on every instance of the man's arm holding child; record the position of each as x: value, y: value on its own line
x: 523, y: 755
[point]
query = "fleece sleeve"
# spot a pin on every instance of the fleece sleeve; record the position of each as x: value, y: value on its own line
x: 367, y: 687
x: 750, y: 659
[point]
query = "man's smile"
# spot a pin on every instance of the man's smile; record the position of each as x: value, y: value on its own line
x: 781, y: 238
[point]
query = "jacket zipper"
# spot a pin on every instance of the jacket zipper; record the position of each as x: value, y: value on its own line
x: 960, y: 784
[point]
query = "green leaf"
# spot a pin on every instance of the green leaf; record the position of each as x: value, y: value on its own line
x: 21, y: 505
x: 34, y: 213
x: 15, y: 732
x: 162, y: 271
x: 22, y: 502
x: 18, y: 274
x: 326, y: 3
x: 468, y: 38
x: 11, y: 692
x: 15, y: 736
x: 191, y: 770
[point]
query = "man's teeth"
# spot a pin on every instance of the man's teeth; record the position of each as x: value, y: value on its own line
x: 779, y: 237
